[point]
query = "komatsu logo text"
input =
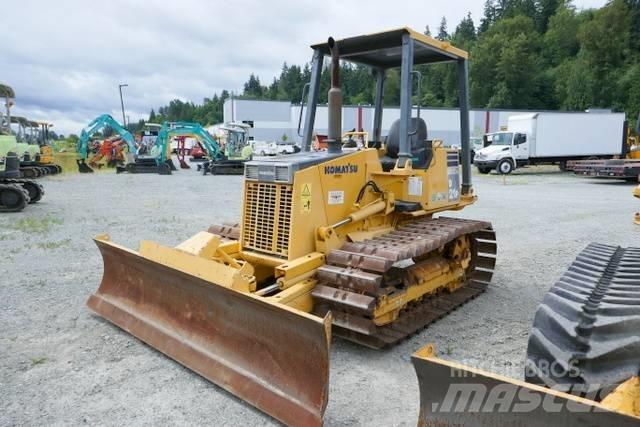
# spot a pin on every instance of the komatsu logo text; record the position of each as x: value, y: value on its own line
x: 349, y: 168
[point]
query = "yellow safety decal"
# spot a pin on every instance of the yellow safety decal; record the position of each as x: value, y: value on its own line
x: 305, y: 198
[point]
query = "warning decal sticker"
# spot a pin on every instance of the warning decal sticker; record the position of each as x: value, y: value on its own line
x: 305, y: 198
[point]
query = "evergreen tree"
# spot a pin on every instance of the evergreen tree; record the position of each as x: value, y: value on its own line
x: 489, y: 16
x: 252, y: 88
x: 442, y: 30
x: 465, y: 34
x: 546, y: 9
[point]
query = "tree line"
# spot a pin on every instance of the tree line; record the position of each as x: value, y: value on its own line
x: 524, y: 54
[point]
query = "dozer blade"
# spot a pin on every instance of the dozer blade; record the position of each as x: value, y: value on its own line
x: 452, y: 394
x: 274, y: 357
x: 83, y: 167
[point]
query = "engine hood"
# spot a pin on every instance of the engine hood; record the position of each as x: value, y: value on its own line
x: 492, y: 150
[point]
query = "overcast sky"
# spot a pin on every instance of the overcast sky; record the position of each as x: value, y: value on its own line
x: 65, y: 61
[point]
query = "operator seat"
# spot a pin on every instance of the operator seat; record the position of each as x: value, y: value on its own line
x: 421, y: 150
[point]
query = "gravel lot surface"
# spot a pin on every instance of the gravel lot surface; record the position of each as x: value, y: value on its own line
x: 62, y: 365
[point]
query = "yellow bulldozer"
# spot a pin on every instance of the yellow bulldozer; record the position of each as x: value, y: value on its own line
x: 345, y: 243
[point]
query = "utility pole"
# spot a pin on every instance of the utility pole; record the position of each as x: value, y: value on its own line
x: 124, y: 119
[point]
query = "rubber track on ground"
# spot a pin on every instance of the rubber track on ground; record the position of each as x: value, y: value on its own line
x: 21, y: 182
x: 5, y: 184
x: 585, y: 333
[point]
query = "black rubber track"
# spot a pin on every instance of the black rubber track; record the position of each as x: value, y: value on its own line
x: 34, y: 189
x: 20, y: 195
x: 585, y: 337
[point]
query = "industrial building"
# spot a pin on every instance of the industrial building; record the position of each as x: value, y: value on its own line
x: 271, y: 120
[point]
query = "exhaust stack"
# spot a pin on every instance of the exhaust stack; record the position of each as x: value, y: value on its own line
x: 334, y: 98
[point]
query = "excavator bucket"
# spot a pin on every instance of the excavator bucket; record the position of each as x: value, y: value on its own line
x: 452, y: 394
x: 274, y: 357
x: 83, y: 167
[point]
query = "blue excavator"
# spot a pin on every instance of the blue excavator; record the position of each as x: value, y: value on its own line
x: 156, y: 157
x: 112, y: 149
x: 235, y: 153
x: 220, y: 160
x: 170, y: 130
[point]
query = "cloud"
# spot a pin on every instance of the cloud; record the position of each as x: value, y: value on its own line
x: 65, y: 62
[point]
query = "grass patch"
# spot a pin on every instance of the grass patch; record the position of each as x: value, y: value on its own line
x: 38, y: 361
x: 53, y: 245
x: 37, y: 225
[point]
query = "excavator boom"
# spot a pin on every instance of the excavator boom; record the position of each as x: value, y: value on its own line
x: 196, y: 130
x: 94, y: 126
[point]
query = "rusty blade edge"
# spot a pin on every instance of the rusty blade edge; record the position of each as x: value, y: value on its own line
x: 213, y: 364
x: 235, y: 379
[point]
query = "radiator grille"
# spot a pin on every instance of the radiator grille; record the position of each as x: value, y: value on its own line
x: 267, y: 217
x: 251, y: 171
x: 282, y: 173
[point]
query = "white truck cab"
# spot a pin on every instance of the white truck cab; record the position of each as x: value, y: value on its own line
x: 504, y: 151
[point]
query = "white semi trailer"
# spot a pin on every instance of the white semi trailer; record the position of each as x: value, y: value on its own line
x: 552, y: 138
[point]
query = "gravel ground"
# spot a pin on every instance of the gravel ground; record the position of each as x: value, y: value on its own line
x: 63, y: 365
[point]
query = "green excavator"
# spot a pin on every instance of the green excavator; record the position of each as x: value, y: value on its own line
x: 15, y: 192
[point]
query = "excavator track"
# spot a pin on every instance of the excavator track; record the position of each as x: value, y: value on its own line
x: 359, y: 274
x: 33, y: 188
x: 222, y: 167
x: 13, y: 198
x: 34, y: 171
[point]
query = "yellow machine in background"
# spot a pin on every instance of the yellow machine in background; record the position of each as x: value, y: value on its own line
x: 633, y: 143
x: 353, y: 139
x: 342, y: 242
x: 46, y: 152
